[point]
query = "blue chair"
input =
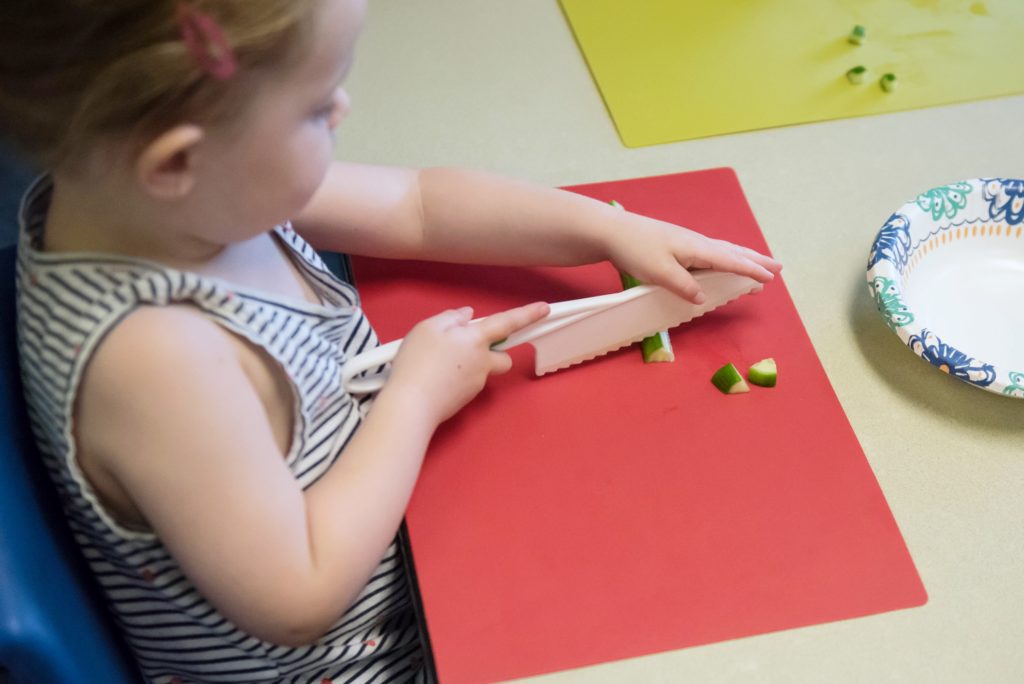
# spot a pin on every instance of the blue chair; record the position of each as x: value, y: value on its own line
x: 54, y: 627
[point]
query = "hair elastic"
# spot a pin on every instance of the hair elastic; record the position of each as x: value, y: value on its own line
x: 205, y: 41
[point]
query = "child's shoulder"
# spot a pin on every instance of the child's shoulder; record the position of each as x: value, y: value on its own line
x: 168, y: 399
x: 156, y: 359
x: 160, y: 344
x: 160, y: 374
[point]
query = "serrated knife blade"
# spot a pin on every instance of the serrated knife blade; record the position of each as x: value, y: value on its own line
x: 595, y: 333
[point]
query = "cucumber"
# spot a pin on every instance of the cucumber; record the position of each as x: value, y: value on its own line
x: 763, y: 373
x: 658, y: 347
x: 729, y: 380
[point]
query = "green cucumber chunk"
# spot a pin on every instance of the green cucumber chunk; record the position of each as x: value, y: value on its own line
x: 658, y: 348
x: 729, y: 380
x: 763, y: 373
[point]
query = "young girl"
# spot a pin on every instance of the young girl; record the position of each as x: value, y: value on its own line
x: 181, y: 342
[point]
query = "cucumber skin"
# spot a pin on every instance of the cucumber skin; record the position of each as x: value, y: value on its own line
x: 658, y: 348
x: 761, y: 377
x: 762, y: 381
x: 728, y: 372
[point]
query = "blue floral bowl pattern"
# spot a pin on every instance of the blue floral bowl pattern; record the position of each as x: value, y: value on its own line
x: 926, y: 259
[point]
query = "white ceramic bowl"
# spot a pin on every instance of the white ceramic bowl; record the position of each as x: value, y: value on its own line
x: 947, y: 274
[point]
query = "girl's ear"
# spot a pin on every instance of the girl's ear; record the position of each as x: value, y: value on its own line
x: 166, y: 167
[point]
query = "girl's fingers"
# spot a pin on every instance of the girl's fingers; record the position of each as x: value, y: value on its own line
x: 763, y: 260
x: 451, y: 317
x: 676, y: 278
x: 500, y: 325
x: 736, y: 260
x: 501, y: 362
x: 771, y: 263
x: 718, y: 255
x: 685, y: 284
x: 768, y: 263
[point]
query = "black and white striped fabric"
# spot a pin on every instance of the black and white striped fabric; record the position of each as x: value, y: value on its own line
x: 67, y: 303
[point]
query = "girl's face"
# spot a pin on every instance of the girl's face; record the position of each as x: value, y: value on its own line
x: 262, y: 168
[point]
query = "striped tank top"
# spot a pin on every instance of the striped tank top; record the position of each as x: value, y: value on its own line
x: 67, y: 303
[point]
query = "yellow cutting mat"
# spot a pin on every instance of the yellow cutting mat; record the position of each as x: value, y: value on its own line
x: 681, y: 69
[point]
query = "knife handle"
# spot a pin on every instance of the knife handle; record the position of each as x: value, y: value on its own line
x: 378, y: 357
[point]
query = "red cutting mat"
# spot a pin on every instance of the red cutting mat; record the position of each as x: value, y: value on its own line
x: 617, y: 509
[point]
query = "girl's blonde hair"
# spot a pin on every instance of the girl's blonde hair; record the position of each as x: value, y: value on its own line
x: 73, y: 72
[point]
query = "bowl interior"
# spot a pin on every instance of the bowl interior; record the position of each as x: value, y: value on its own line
x: 969, y: 289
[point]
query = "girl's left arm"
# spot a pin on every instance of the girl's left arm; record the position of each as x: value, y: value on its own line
x: 472, y: 217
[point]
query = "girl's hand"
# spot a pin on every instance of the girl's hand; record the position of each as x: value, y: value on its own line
x: 661, y: 253
x: 447, y: 359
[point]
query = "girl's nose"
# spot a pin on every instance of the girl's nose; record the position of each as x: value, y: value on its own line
x: 342, y: 105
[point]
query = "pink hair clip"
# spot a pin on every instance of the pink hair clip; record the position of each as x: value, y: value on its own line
x: 206, y: 42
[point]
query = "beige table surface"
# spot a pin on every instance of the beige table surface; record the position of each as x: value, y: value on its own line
x: 500, y: 85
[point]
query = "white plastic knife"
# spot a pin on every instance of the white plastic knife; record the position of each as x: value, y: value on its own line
x: 581, y: 329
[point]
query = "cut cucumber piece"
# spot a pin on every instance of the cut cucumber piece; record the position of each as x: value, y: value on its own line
x: 763, y: 373
x: 658, y: 348
x: 729, y: 380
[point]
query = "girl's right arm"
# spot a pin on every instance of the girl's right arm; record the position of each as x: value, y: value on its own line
x: 182, y: 432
